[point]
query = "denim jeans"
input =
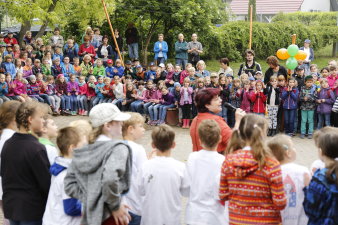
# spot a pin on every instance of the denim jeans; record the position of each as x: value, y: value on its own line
x: 45, y: 98
x: 65, y: 102
x: 323, y: 118
x: 181, y: 62
x: 153, y: 111
x: 73, y: 102
x: 55, y: 101
x: 135, y: 219
x: 307, y: 117
x: 163, y: 111
x: 145, y: 107
x: 97, y: 100
x: 160, y: 60
x: 118, y: 103
x: 133, y: 50
x: 83, y: 103
x: 135, y: 105
x: 37, y: 98
x: 15, y: 222
x: 289, y: 120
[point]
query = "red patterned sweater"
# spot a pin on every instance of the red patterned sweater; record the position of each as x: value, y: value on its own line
x: 255, y: 195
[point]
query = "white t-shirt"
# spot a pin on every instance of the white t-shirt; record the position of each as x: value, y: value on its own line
x: 293, y: 179
x: 203, y: 171
x: 5, y: 135
x: 52, y: 153
x: 161, y: 182
x: 307, y: 51
x: 133, y: 198
x: 317, y: 164
x: 160, y: 54
x: 54, y: 213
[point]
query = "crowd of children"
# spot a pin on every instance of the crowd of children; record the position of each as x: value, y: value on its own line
x: 94, y: 177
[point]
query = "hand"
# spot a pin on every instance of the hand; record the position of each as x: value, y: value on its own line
x: 239, y: 114
x: 68, y: 94
x: 121, y: 216
x: 305, y: 98
x: 4, y: 86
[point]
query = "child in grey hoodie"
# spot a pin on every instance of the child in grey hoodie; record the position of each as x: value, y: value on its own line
x: 100, y: 172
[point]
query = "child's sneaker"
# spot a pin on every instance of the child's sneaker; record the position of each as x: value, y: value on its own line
x: 85, y: 113
x: 302, y: 136
x: 309, y: 136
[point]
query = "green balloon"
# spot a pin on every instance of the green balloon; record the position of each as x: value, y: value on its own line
x: 293, y: 50
x: 291, y: 63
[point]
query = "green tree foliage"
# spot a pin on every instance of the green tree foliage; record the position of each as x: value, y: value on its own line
x: 308, y: 18
x: 254, y: 14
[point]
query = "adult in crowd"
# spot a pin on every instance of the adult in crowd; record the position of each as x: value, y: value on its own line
x: 160, y: 50
x: 25, y: 168
x: 181, y: 50
x: 250, y: 66
x: 131, y: 35
x: 209, y: 104
x: 105, y: 51
x: 119, y: 41
x: 274, y: 69
x: 10, y: 39
x: 93, y: 41
x: 87, y: 49
x: 225, y: 67
x: 201, y: 71
x: 310, y: 56
x: 56, y: 40
x: 7, y: 128
x: 195, y: 49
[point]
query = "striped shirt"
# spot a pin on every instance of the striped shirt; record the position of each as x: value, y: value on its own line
x: 255, y: 195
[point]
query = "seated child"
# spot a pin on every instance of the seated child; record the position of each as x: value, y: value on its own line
x: 203, y: 171
x: 295, y: 178
x: 60, y: 208
x: 162, y: 173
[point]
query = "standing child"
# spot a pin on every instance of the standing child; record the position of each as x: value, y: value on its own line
x: 162, y: 173
x: 133, y: 130
x: 73, y: 91
x: 245, y: 97
x: 224, y: 94
x: 307, y: 99
x: 290, y: 99
x: 82, y: 97
x: 48, y: 132
x: 325, y: 100
x: 324, y: 73
x: 250, y: 172
x: 60, y: 208
x: 273, y: 98
x: 333, y: 76
x: 203, y: 171
x: 62, y: 92
x: 295, y: 178
x: 52, y: 95
x: 321, y: 196
x: 258, y: 99
x: 235, y: 100
x: 186, y: 102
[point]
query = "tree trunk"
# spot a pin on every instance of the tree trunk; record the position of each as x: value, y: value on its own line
x: 149, y: 36
x: 45, y: 23
x: 25, y: 26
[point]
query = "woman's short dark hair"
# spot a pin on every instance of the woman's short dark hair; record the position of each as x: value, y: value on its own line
x: 224, y: 61
x: 204, y: 97
x: 272, y: 60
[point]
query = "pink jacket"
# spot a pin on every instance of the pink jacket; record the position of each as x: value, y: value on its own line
x: 20, y: 88
x: 331, y: 79
x: 190, y: 91
x: 183, y: 75
x: 246, y: 104
x: 152, y: 94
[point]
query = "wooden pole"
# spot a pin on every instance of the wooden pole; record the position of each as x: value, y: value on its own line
x: 250, y: 37
x: 112, y: 32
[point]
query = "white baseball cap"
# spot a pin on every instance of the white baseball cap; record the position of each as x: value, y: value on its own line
x: 106, y: 112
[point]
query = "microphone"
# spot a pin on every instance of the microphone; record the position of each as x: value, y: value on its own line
x: 229, y: 106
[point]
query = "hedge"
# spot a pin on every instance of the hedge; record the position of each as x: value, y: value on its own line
x: 231, y: 39
x: 308, y: 18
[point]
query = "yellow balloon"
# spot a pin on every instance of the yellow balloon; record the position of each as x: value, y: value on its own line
x: 282, y: 54
x: 301, y: 55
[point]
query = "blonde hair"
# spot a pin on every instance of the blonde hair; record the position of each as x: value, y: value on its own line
x: 191, y: 69
x: 135, y: 118
x: 201, y: 63
x: 278, y: 145
x: 252, y: 131
x: 83, y: 126
x: 106, y: 79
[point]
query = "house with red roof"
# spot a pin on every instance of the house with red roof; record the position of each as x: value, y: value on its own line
x: 266, y: 9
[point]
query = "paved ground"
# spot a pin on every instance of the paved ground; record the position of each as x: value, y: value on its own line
x: 306, y: 150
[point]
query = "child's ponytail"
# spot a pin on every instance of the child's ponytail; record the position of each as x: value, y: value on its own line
x: 235, y: 142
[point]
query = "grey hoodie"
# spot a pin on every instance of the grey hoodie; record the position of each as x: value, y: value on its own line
x: 98, y: 175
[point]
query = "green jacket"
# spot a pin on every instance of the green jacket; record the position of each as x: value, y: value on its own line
x: 181, y: 49
x: 99, y: 71
x: 46, y: 70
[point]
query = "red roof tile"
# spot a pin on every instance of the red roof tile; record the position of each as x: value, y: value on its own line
x: 240, y: 7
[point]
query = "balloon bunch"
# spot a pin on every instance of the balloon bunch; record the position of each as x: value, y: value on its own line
x: 291, y: 55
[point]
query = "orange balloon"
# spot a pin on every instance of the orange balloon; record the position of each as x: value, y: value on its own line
x: 301, y: 55
x: 282, y: 54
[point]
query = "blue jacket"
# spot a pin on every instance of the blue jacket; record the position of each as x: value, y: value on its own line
x: 321, y: 200
x: 97, y: 90
x: 58, y: 56
x: 3, y: 90
x: 68, y: 71
x: 71, y: 52
x: 120, y: 71
x: 109, y: 71
x: 164, y: 49
x: 9, y: 68
x: 290, y: 98
x: 148, y: 75
x: 312, y: 54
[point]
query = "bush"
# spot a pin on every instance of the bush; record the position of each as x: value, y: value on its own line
x: 308, y: 18
x: 231, y: 39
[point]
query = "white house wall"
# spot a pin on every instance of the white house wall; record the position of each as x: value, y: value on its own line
x: 316, y: 6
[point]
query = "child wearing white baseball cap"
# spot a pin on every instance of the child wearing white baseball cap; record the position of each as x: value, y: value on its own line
x: 100, y: 172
